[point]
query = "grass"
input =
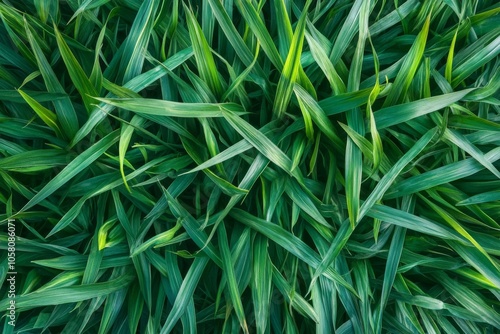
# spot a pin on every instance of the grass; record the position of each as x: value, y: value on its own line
x: 251, y: 166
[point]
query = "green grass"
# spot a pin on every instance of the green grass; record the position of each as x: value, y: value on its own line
x: 251, y: 166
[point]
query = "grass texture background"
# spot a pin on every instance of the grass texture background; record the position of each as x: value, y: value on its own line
x: 253, y: 166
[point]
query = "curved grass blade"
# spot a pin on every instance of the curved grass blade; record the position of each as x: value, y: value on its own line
x: 259, y: 141
x: 64, y: 108
x: 132, y: 58
x: 412, y: 222
x: 253, y: 20
x: 297, y: 301
x: 76, y: 73
x: 291, y: 66
x: 318, y: 115
x: 353, y: 161
x: 393, y: 115
x: 174, y: 109
x: 46, y: 115
x: 288, y: 241
x: 202, y: 54
x: 388, y: 179
x: 320, y: 55
x: 408, y: 68
x: 488, y: 196
x: 462, y: 142
x: 478, y: 261
x: 185, y: 294
x: 393, y: 260
x: 126, y: 133
x: 73, y: 168
x: 445, y: 174
x: 227, y: 264
x: 72, y: 294
x: 261, y: 283
x: 136, y: 84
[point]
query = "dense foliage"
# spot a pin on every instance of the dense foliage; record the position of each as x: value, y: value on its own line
x: 232, y: 166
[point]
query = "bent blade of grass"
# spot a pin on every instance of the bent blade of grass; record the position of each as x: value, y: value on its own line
x: 449, y: 60
x: 353, y: 161
x: 456, y: 226
x: 126, y: 133
x: 391, y: 266
x: 477, y: 60
x: 87, y: 5
x: 227, y: 265
x: 136, y: 84
x: 234, y: 38
x: 401, y: 113
x: 185, y: 294
x: 409, y: 67
x: 158, y: 240
x: 347, y: 32
x: 192, y: 227
x: 318, y: 115
x: 71, y: 294
x: 336, y: 247
x: 488, y: 90
x: 230, y: 32
x: 377, y: 152
x: 257, y: 167
x: 261, y: 283
x: 485, y: 197
x: 296, y: 300
x: 253, y: 20
x: 413, y: 222
x: 445, y: 174
x: 211, y: 142
x: 76, y: 73
x: 304, y: 202
x: 73, y: 168
x: 321, y: 57
x: 340, y: 103
x: 394, y: 17
x: 462, y: 142
x: 202, y: 54
x: 236, y: 84
x: 378, y: 193
x: 132, y: 58
x: 479, y: 261
x: 469, y: 299
x: 174, y: 109
x: 232, y: 151
x: 308, y: 123
x: 259, y: 141
x: 289, y: 242
x: 227, y: 187
x: 291, y: 66
x: 64, y: 108
x: 46, y: 115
